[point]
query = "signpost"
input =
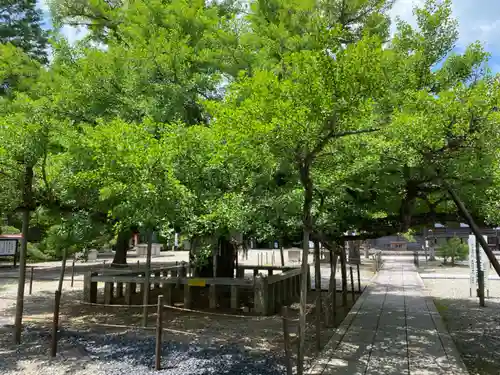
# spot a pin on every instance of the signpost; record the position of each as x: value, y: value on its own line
x: 8, y: 246
x: 478, y: 281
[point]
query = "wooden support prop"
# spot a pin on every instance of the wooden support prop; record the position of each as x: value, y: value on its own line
x: 89, y: 288
x: 475, y: 229
x: 261, y: 295
x: 55, y: 324
x: 31, y: 279
x: 159, y: 328
x: 286, y: 341
x: 73, y: 273
x: 359, y: 278
x: 119, y: 290
x: 352, y: 285
x: 167, y: 292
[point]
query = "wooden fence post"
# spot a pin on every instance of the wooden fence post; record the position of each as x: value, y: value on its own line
x: 359, y: 278
x: 72, y: 272
x: 31, y: 279
x: 352, y: 284
x: 55, y: 324
x: 286, y: 340
x: 159, y: 329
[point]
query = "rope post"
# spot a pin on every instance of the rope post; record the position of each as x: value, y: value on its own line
x: 159, y: 329
x: 359, y: 278
x: 55, y: 324
x: 73, y: 273
x: 352, y: 284
x: 286, y: 341
x: 31, y: 279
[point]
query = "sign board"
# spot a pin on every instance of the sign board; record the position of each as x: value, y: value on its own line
x: 483, y: 261
x: 197, y: 282
x: 8, y: 247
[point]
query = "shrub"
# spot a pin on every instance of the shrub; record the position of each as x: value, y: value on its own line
x: 454, y: 250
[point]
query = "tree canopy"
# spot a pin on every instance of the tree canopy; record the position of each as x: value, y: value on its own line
x: 216, y: 118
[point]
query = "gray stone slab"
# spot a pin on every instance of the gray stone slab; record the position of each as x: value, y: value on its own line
x: 393, y: 329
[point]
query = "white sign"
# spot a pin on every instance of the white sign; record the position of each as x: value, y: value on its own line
x: 8, y: 247
x: 483, y: 261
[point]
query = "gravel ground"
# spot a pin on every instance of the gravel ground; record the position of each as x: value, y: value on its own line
x: 475, y: 330
x: 131, y: 352
x: 202, y: 346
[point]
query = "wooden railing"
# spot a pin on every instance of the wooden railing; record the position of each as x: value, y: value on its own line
x: 270, y: 291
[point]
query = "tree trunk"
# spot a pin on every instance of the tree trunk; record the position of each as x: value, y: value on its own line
x: 343, y: 269
x: 317, y: 286
x: 307, y: 228
x: 63, y: 271
x: 22, y: 277
x: 122, y: 247
x: 225, y: 258
x: 147, y: 276
x: 27, y: 206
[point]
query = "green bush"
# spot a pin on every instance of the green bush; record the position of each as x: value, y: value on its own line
x: 454, y: 250
x: 36, y: 255
x: 9, y: 230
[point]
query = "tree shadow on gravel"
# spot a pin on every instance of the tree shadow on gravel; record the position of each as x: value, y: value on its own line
x: 196, y: 333
x: 130, y: 352
x: 475, y: 331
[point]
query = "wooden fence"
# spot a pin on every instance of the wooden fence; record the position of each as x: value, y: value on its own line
x: 270, y: 292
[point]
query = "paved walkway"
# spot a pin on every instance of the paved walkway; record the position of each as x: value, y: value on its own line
x: 393, y: 329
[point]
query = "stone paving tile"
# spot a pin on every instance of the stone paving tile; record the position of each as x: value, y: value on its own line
x: 394, y: 332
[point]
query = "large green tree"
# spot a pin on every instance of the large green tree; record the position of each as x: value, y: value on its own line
x: 21, y: 25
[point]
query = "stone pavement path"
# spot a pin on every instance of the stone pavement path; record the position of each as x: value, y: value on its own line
x: 393, y: 329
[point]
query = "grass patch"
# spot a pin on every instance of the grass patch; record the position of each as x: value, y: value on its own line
x: 442, y: 309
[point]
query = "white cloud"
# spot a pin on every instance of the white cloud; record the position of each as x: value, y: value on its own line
x: 478, y: 20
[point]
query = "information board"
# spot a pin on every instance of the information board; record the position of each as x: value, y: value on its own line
x: 483, y: 261
x: 8, y: 247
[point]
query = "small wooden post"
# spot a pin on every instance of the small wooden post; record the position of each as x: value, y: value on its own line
x: 286, y: 340
x: 235, y: 303
x: 267, y: 260
x: 359, y: 278
x: 212, y: 296
x: 73, y: 272
x: 167, y: 290
x: 352, y: 284
x: 108, y: 293
x: 137, y: 264
x: 261, y: 295
x: 55, y: 324
x: 31, y: 279
x: 187, y: 296
x: 334, y: 302
x: 159, y: 329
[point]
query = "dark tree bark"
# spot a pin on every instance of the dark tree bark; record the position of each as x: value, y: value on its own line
x: 122, y: 247
x: 225, y: 259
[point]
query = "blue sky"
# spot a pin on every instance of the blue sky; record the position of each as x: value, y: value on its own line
x: 478, y: 20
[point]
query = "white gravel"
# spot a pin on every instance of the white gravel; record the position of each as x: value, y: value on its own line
x: 475, y: 330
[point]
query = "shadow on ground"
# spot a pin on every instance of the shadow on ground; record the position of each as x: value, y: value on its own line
x: 252, y: 341
x: 475, y: 331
